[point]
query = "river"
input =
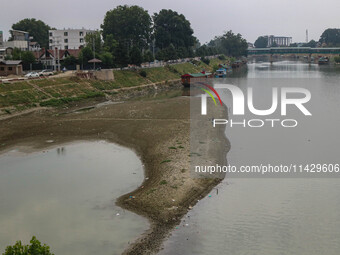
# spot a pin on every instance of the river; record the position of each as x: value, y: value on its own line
x: 65, y: 196
x: 283, y: 214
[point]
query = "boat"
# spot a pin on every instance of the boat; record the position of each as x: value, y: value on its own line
x: 239, y: 63
x: 323, y: 61
x: 221, y: 73
x: 189, y: 78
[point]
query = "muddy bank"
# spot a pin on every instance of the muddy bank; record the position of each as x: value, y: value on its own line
x: 156, y: 129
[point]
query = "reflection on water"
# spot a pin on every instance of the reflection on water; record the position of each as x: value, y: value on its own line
x: 66, y: 197
x: 274, y: 216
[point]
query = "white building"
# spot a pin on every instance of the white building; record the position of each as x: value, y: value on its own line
x: 1, y: 39
x: 20, y: 40
x: 67, y: 38
x: 279, y: 40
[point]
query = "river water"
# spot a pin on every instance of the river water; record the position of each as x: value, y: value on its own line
x: 283, y: 214
x: 65, y: 196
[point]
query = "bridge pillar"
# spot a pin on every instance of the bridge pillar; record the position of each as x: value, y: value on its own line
x: 271, y: 58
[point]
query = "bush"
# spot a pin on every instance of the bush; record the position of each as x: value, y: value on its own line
x: 34, y: 248
x: 66, y: 100
x: 337, y: 59
x: 205, y: 61
x: 143, y: 73
x: 221, y: 57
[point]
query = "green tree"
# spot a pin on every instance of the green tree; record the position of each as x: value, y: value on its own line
x: 168, y: 53
x: 85, y: 55
x: 136, y: 56
x: 110, y: 44
x: 70, y: 60
x: 261, y: 42
x: 121, y: 55
x: 129, y: 26
x: 331, y: 37
x: 174, y: 29
x: 36, y: 28
x: 107, y: 59
x: 94, y: 41
x: 311, y: 44
x: 230, y: 44
x: 34, y: 248
x: 148, y: 56
x: 26, y: 57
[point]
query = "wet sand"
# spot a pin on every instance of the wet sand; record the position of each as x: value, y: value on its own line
x: 158, y: 130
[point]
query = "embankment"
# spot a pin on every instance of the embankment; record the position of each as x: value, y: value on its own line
x: 23, y: 95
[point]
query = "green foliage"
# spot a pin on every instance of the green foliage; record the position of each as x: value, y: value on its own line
x: 222, y: 57
x: 121, y: 54
x: 261, y: 42
x: 337, y: 59
x: 110, y: 44
x: 230, y: 44
x: 107, y: 59
x: 205, y: 50
x: 331, y: 37
x: 148, y: 56
x: 85, y: 55
x: 136, y: 56
x: 168, y: 53
x: 36, y: 28
x: 205, y: 60
x: 143, y: 73
x: 172, y: 28
x: 94, y: 41
x: 128, y: 24
x: 163, y: 182
x: 34, y: 248
x: 66, y: 100
x: 69, y: 61
x: 27, y: 57
x: 311, y: 44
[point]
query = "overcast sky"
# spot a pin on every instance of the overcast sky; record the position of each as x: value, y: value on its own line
x: 208, y: 18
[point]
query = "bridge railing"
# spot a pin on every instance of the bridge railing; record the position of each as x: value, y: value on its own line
x: 292, y: 50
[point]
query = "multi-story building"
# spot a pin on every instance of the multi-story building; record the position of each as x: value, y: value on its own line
x: 279, y: 40
x: 19, y: 39
x: 67, y: 38
x: 1, y: 39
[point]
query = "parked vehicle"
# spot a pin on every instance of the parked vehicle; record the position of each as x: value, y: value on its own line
x: 32, y: 75
x: 46, y: 72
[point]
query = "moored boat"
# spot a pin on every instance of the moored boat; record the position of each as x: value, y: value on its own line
x: 190, y: 78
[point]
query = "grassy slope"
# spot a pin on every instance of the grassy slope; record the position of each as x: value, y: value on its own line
x: 57, y: 91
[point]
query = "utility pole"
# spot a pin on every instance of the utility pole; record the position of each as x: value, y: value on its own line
x: 306, y: 35
x: 94, y: 54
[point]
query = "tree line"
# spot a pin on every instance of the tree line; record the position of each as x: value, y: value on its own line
x: 329, y: 38
x: 129, y: 35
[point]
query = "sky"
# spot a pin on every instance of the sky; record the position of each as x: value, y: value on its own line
x: 209, y: 18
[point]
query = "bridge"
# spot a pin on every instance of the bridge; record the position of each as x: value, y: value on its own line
x: 293, y: 50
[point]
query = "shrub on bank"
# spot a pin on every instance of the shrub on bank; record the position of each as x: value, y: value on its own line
x: 34, y: 248
x: 205, y: 61
x: 66, y: 100
x: 143, y: 73
x: 337, y: 59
